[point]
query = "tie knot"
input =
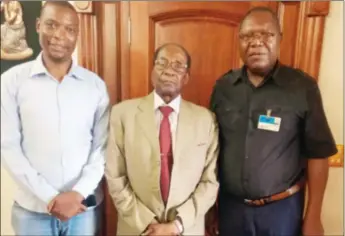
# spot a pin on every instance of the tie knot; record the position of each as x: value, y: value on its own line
x: 166, y: 110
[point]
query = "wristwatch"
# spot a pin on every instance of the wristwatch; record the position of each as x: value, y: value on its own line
x: 178, y: 224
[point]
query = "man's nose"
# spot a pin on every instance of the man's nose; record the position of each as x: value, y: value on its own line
x: 169, y: 69
x: 168, y: 73
x: 256, y: 41
x: 60, y: 33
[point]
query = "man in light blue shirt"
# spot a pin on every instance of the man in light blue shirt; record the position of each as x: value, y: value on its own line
x: 54, y: 124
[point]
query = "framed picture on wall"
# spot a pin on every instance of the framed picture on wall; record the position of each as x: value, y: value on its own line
x: 19, y: 40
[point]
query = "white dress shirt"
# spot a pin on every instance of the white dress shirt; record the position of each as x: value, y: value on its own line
x: 53, y: 134
x: 173, y: 117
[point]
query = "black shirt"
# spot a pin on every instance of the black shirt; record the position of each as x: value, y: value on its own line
x: 255, y: 163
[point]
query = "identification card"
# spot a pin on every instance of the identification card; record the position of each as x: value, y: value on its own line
x: 269, y: 123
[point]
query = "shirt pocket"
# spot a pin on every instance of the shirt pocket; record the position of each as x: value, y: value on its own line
x: 228, y: 117
x: 288, y: 115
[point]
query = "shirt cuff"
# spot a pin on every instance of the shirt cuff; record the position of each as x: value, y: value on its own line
x: 48, y: 196
x: 83, y: 191
x: 179, y: 219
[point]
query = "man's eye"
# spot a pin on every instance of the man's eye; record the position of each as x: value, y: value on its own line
x: 178, y: 65
x: 71, y: 30
x: 245, y: 37
x: 267, y: 34
x: 160, y: 62
x: 51, y: 25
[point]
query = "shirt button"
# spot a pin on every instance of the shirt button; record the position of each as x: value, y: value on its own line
x: 247, y: 157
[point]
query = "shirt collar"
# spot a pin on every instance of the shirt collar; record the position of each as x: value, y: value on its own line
x: 39, y: 69
x: 174, y: 104
x: 274, y: 74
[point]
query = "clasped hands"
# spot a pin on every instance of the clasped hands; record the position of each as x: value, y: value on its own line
x: 66, y: 205
x: 166, y: 229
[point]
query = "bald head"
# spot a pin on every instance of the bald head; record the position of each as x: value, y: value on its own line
x: 60, y: 4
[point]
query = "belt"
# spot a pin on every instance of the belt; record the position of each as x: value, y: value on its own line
x: 279, y: 196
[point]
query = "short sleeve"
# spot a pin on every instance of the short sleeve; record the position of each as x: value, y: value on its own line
x: 318, y: 141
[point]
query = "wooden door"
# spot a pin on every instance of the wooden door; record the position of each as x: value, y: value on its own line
x: 118, y: 40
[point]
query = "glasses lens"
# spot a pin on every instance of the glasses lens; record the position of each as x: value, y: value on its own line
x: 178, y: 67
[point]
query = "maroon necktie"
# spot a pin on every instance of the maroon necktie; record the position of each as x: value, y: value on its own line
x: 166, y: 152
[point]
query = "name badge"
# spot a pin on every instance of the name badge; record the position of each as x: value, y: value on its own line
x: 269, y: 122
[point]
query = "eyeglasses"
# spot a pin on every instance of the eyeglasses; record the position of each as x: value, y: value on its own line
x: 262, y: 36
x: 162, y: 64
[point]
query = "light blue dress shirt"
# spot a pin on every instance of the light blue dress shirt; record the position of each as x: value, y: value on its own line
x: 53, y: 134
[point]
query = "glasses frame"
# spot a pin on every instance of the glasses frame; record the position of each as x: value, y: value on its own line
x: 183, y: 68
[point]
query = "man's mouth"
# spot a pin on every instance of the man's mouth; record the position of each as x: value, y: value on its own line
x: 57, y: 47
x: 256, y: 54
x: 167, y: 82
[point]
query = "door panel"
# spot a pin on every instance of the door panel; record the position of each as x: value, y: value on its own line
x: 207, y: 30
x: 211, y: 56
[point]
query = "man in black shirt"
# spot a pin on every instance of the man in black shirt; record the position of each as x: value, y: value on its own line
x: 274, y: 137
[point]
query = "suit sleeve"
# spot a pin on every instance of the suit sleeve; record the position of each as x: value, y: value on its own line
x: 206, y: 191
x: 129, y: 207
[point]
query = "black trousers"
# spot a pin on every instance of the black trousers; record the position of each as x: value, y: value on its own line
x: 280, y: 218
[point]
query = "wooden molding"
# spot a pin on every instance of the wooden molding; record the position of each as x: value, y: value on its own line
x: 83, y: 6
x: 124, y: 49
x: 337, y: 160
x: 288, y: 13
x: 317, y: 8
x: 310, y: 32
x: 88, y: 43
x: 104, y: 27
x: 303, y: 29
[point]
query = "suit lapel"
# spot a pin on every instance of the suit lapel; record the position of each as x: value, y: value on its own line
x: 146, y: 119
x: 184, y: 132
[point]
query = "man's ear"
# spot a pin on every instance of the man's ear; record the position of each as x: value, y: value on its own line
x: 186, y: 78
x: 38, y: 25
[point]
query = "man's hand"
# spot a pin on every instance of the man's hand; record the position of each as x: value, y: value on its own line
x: 317, y: 181
x: 212, y: 222
x: 312, y: 226
x: 66, y: 205
x: 168, y: 229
